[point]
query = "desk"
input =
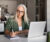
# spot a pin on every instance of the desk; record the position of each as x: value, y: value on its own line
x: 4, y: 39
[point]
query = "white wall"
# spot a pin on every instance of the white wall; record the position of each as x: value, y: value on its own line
x: 48, y: 15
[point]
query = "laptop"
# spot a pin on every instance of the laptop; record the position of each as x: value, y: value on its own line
x: 36, y: 29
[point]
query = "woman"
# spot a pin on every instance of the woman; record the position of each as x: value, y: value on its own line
x: 19, y: 23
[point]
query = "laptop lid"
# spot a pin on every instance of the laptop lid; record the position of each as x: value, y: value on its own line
x: 36, y: 29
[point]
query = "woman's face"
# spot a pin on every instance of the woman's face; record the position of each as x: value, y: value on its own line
x: 20, y: 11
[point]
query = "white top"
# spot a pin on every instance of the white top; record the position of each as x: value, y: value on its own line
x: 20, y: 28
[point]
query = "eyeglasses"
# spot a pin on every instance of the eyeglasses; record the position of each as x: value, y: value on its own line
x: 18, y: 11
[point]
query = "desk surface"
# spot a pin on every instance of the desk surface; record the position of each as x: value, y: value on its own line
x: 4, y: 39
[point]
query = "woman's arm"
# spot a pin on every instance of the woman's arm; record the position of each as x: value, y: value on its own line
x: 22, y: 32
x: 11, y: 34
x: 7, y: 32
x: 26, y: 32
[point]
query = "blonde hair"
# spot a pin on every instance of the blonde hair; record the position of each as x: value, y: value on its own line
x: 25, y: 13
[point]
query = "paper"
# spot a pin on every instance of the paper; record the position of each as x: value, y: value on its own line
x: 17, y: 37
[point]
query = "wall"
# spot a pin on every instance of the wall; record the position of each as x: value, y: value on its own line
x: 48, y: 15
x: 11, y: 5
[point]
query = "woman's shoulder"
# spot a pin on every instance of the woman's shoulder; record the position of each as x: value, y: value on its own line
x: 10, y: 20
x: 26, y: 23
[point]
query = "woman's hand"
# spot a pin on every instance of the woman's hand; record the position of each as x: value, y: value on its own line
x: 12, y: 34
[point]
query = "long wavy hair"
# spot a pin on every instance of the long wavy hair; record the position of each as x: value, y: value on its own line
x: 25, y: 17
